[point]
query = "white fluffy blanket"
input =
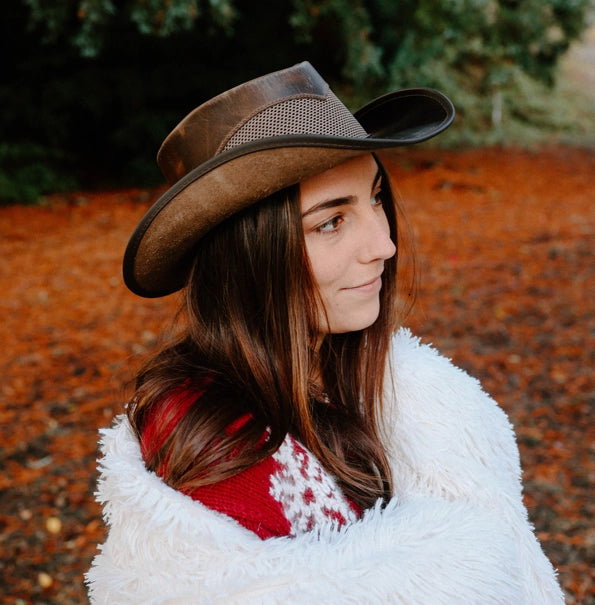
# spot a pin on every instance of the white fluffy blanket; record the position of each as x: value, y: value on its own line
x: 456, y: 532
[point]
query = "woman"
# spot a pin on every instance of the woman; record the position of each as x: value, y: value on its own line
x: 293, y: 444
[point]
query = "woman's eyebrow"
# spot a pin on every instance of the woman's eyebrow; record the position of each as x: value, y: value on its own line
x: 340, y: 201
x: 326, y: 204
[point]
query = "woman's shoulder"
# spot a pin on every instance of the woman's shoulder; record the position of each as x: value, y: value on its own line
x: 287, y: 493
x: 438, y: 420
x: 409, y: 352
x: 418, y: 371
x: 137, y: 501
x: 423, y: 386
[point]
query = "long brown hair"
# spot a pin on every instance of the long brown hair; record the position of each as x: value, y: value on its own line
x: 246, y: 350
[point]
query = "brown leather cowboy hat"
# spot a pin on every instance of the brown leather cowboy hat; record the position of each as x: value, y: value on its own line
x: 255, y: 139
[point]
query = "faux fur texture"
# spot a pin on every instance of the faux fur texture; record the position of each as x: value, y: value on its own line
x: 455, y: 532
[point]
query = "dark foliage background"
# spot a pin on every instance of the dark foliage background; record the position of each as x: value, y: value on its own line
x: 91, y: 87
x: 98, y: 120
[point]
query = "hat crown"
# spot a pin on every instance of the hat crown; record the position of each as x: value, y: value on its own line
x: 293, y: 101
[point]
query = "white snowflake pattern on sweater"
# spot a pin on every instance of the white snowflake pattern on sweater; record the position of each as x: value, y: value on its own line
x: 309, y: 496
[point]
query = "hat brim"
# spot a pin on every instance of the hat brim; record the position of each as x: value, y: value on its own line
x: 158, y: 255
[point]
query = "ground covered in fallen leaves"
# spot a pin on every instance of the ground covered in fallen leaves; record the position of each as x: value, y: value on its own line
x: 505, y: 240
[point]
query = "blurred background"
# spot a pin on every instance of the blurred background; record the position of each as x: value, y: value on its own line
x: 501, y: 207
x: 90, y: 87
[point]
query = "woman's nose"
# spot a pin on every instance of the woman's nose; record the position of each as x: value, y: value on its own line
x: 376, y: 243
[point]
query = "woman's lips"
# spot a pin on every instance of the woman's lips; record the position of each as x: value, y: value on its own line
x: 371, y: 287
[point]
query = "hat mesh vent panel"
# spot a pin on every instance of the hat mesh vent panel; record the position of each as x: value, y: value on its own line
x: 300, y: 116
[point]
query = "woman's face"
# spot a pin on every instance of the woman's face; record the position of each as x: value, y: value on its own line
x: 348, y: 239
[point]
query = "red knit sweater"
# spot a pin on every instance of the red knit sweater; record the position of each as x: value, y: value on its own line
x: 286, y: 494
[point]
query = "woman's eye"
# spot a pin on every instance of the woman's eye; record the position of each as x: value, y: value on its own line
x: 377, y: 198
x: 330, y: 225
